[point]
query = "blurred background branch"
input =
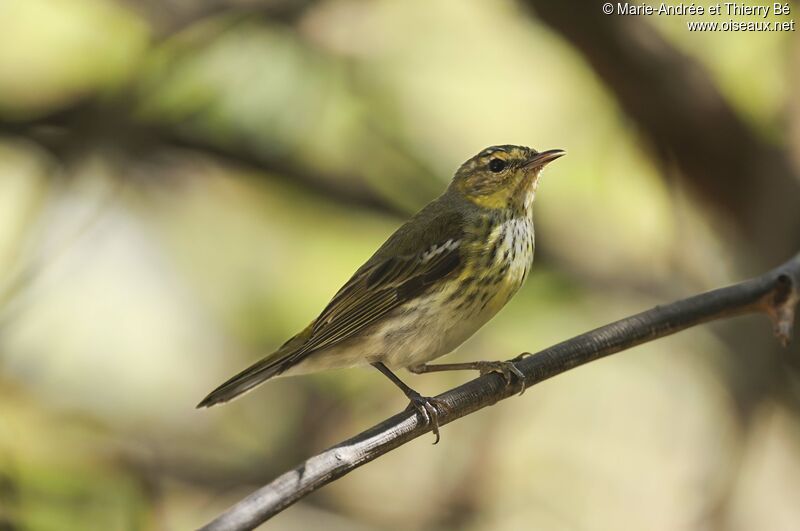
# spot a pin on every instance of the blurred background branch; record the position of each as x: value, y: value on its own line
x: 689, y: 125
x: 69, y: 131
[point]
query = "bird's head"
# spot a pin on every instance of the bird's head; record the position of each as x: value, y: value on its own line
x: 503, y: 176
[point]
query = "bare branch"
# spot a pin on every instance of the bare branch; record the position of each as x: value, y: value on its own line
x: 775, y: 293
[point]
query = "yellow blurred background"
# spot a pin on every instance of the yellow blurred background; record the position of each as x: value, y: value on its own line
x: 184, y: 185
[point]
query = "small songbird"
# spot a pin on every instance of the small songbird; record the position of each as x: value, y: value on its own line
x: 429, y: 287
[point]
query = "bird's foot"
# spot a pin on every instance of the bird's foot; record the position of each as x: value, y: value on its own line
x: 506, y: 369
x: 427, y: 408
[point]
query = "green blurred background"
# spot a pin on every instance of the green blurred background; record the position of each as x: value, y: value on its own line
x: 184, y: 184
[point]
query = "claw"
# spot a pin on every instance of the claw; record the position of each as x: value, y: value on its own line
x: 522, y: 356
x: 505, y: 369
x: 426, y: 407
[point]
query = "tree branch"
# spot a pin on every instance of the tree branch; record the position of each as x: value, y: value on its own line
x: 775, y: 293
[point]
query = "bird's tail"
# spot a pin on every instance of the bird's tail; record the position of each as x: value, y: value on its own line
x: 259, y: 372
x: 244, y: 381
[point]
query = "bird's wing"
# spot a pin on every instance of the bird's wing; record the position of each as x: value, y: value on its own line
x: 377, y: 290
x: 421, y: 252
x: 416, y: 256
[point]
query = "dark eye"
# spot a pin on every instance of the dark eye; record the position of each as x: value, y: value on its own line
x: 497, y: 165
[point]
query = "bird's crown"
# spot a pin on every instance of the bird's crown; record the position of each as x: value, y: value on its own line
x: 502, y: 176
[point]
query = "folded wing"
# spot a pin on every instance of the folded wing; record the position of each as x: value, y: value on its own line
x: 391, y: 278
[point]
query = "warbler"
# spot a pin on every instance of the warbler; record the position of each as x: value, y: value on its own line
x: 439, y: 278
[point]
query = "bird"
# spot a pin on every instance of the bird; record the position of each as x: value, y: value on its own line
x: 434, y: 282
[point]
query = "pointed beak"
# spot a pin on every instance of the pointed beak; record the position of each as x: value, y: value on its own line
x: 540, y: 159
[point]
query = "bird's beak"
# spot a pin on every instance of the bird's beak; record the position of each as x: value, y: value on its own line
x: 540, y: 159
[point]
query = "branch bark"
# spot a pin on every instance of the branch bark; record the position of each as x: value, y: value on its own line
x: 775, y: 294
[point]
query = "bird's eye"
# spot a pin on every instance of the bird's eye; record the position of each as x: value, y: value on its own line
x: 497, y: 165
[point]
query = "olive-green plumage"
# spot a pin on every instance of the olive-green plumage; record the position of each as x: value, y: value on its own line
x: 431, y: 285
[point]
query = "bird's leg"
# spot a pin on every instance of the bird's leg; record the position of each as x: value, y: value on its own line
x: 425, y: 406
x: 505, y: 368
